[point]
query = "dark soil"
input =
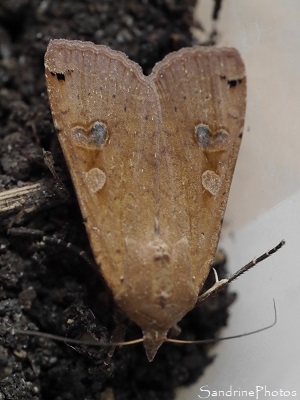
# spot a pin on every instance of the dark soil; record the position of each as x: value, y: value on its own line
x: 50, y: 288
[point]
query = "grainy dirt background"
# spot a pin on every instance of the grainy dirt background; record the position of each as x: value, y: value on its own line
x: 45, y: 287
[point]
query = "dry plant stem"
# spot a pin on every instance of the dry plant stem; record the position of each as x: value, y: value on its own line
x: 31, y: 198
x: 14, y: 199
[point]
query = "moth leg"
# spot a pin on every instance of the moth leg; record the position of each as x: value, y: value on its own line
x: 222, y: 283
x: 174, y: 331
x: 219, y: 284
x: 118, y: 333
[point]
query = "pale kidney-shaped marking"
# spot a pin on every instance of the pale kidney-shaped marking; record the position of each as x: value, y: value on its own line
x: 95, y: 179
x: 211, y: 182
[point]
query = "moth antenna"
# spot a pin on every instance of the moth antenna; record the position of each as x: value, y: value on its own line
x: 94, y: 343
x: 220, y: 284
x: 58, y: 338
x: 44, y: 240
x: 205, y: 341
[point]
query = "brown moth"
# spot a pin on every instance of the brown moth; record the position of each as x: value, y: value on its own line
x: 151, y: 158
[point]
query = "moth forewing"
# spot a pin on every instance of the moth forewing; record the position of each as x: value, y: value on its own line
x: 203, y: 117
x: 151, y: 160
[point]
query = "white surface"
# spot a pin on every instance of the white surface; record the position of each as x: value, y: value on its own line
x: 264, y: 204
x: 270, y: 358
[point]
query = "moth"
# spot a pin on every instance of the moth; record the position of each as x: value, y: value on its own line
x: 151, y: 159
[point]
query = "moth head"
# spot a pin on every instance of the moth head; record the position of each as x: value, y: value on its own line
x: 153, y: 339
